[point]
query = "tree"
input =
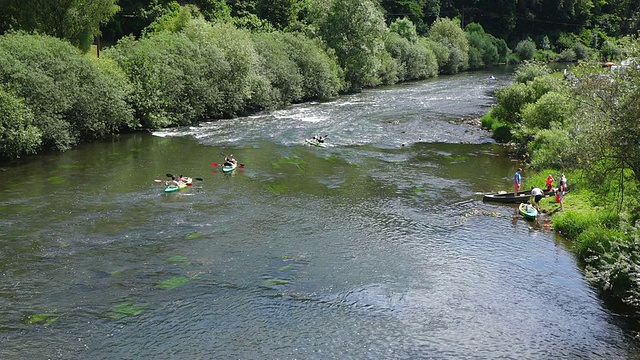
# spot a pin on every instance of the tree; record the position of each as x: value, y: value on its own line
x: 449, y: 33
x: 75, y: 20
x: 355, y: 29
x: 280, y: 13
x: 607, y: 124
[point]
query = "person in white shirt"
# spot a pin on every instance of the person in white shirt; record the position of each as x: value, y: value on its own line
x: 536, y: 195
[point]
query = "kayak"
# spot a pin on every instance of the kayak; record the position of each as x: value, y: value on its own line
x: 229, y: 167
x: 315, y: 143
x: 174, y: 188
x: 528, y: 211
x: 183, y: 184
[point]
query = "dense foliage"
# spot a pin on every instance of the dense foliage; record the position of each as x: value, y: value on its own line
x: 59, y: 97
x: 175, y: 63
x: 587, y: 120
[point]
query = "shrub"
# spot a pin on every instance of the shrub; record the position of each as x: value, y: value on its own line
x: 595, y: 241
x: 525, y: 49
x: 567, y: 55
x: 71, y: 97
x: 17, y: 134
x: 615, y: 270
x: 529, y: 70
x: 482, y: 48
x: 581, y: 51
x: 511, y: 99
x: 323, y: 76
x: 448, y: 32
x: 415, y: 61
x: 439, y: 50
x: 551, y: 107
x: 547, y: 148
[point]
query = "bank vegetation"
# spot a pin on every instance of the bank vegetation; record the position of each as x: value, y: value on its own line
x: 584, y: 122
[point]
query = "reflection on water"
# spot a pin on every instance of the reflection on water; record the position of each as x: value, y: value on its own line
x: 363, y: 249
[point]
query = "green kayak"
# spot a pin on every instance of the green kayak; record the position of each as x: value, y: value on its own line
x: 528, y: 211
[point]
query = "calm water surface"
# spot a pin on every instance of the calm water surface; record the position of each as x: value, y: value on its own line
x: 375, y: 247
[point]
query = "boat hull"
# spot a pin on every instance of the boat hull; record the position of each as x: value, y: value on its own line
x: 528, y: 213
x: 511, y: 198
x: 315, y: 143
x: 229, y: 168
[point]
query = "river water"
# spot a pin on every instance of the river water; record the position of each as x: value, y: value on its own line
x: 375, y: 247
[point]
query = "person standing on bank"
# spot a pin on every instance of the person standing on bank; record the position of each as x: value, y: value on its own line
x: 550, y: 181
x: 517, y: 181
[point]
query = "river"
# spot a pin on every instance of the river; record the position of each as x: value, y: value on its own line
x: 377, y: 246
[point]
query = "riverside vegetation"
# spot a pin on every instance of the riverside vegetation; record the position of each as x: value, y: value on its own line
x: 186, y: 63
x: 587, y: 121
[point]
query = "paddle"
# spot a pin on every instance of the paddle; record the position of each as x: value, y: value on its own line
x: 171, y: 175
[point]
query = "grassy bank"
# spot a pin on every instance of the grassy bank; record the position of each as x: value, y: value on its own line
x: 599, y: 232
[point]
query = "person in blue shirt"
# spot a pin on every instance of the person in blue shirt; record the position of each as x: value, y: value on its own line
x: 517, y: 181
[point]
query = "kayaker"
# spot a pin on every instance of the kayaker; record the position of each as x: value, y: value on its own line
x: 230, y: 160
x: 550, y: 181
x: 536, y: 195
x: 318, y: 138
x: 173, y: 181
x: 517, y: 181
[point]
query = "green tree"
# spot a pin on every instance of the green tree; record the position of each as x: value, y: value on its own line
x: 525, y: 49
x: 449, y: 33
x: 606, y: 123
x: 482, y: 49
x: 405, y: 28
x: 78, y: 21
x: 355, y: 29
x: 280, y: 13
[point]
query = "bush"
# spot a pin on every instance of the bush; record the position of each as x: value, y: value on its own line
x: 448, y: 32
x: 529, y: 70
x: 567, y: 55
x: 551, y: 107
x: 71, y: 97
x: 17, y: 134
x: 616, y: 270
x: 389, y: 69
x: 511, y: 100
x: 440, y: 51
x: 526, y: 49
x: 547, y: 148
x: 415, y: 61
x: 581, y: 51
x: 482, y: 48
x: 277, y: 65
x: 323, y: 77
